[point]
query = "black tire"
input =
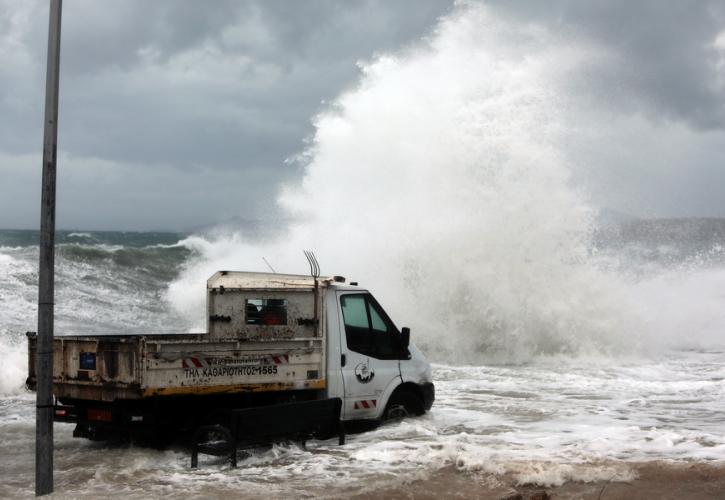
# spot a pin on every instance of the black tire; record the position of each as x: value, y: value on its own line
x: 214, y: 440
x: 402, y: 405
x: 214, y: 437
x: 218, y: 417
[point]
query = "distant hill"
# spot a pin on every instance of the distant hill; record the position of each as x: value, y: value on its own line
x: 665, y: 231
x: 252, y: 227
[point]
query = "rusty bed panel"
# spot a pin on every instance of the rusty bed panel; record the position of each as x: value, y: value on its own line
x: 134, y: 367
x: 232, y: 366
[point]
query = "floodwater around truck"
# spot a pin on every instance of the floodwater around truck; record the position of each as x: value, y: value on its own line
x: 494, y: 425
x: 519, y: 414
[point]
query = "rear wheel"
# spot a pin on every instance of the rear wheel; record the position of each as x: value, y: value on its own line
x: 402, y: 405
x: 214, y: 440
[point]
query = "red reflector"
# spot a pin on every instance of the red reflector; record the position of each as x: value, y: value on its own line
x: 100, y: 415
x: 61, y: 412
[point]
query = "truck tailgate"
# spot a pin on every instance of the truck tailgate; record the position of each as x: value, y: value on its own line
x: 99, y: 368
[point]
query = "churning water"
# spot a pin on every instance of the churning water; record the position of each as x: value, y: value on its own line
x: 564, y: 347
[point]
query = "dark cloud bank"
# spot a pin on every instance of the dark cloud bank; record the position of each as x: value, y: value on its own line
x: 175, y: 114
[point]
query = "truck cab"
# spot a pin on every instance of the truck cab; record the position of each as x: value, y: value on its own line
x: 381, y: 375
x: 369, y: 362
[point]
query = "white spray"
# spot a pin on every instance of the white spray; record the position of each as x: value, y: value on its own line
x: 443, y: 182
x: 439, y: 183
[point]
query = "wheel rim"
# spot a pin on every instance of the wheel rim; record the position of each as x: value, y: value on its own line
x: 213, y: 437
x: 397, y: 411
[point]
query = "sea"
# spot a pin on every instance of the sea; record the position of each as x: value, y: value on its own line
x: 547, y: 417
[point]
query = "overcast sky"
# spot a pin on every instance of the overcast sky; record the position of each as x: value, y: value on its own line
x: 175, y: 114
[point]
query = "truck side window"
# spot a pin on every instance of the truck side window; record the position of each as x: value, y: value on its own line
x: 368, y: 329
x: 357, y: 329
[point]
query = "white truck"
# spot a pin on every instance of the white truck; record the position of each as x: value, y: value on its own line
x: 272, y: 340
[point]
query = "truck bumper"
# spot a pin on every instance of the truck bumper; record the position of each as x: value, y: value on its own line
x: 429, y: 395
x: 98, y: 422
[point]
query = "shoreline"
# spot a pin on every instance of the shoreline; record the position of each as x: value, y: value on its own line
x: 660, y: 480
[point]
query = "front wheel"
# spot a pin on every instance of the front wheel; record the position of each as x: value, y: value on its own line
x: 402, y: 405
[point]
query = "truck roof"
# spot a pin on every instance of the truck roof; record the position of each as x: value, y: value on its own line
x: 251, y: 280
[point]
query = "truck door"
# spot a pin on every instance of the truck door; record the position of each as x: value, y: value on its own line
x: 370, y: 346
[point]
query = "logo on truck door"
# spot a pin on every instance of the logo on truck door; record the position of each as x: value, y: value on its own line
x: 363, y: 372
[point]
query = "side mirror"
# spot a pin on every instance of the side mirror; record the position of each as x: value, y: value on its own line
x: 405, y: 337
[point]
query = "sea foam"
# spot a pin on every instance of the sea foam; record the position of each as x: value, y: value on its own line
x: 440, y: 182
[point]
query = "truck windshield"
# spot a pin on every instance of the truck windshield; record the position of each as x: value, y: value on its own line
x: 368, y: 330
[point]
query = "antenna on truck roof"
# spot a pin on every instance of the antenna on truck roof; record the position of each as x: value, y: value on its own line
x: 315, y: 272
x: 314, y: 266
x: 269, y: 265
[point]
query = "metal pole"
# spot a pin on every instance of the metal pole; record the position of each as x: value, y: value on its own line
x: 46, y: 278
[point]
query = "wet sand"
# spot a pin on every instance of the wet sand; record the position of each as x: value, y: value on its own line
x: 651, y: 480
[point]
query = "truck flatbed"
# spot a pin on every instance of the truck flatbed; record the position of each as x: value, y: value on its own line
x: 271, y: 340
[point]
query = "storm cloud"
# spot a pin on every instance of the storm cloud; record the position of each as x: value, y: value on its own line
x: 175, y: 114
x: 668, y: 56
